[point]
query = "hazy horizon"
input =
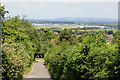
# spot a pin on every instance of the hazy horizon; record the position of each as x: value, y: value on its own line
x: 73, y: 17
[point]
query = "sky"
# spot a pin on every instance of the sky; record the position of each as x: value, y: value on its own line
x: 60, y: 0
x: 55, y: 9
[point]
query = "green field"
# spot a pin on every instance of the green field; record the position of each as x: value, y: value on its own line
x: 60, y: 27
x: 114, y: 30
x: 55, y: 26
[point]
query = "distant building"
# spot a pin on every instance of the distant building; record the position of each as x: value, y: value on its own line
x: 98, y: 27
x: 78, y: 36
x: 79, y: 26
x: 56, y: 31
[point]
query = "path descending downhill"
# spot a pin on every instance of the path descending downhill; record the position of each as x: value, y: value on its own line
x: 38, y: 71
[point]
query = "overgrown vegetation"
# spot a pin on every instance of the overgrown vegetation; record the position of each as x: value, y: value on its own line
x: 67, y: 57
x: 90, y: 58
x: 19, y: 44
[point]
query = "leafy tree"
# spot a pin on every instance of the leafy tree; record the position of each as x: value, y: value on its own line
x: 90, y: 59
x: 20, y: 41
x: 65, y: 35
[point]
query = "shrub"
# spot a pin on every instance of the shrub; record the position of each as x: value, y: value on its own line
x: 91, y: 59
x: 14, y: 60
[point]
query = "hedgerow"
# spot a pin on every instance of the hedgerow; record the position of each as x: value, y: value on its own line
x: 20, y: 42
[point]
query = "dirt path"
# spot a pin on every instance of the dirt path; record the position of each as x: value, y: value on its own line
x: 38, y: 71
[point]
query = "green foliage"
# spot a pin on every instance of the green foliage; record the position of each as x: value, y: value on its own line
x: 3, y: 12
x: 65, y: 36
x: 67, y: 57
x: 110, y: 32
x: 92, y: 59
x: 14, y: 60
x: 48, y: 36
x: 116, y: 37
x: 20, y: 42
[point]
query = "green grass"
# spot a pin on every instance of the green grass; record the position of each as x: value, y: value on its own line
x: 27, y: 70
x: 114, y: 30
x: 55, y: 26
x: 60, y: 27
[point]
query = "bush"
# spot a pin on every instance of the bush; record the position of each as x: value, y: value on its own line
x: 22, y: 43
x: 110, y: 32
x: 91, y: 59
x: 14, y: 60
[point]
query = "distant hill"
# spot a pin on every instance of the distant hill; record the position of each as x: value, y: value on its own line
x: 74, y: 19
x: 77, y: 19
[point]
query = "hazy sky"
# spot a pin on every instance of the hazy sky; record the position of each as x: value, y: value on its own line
x: 48, y: 10
x: 60, y: 0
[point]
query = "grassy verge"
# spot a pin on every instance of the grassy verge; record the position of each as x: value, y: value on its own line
x: 39, y: 58
x: 27, y: 70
